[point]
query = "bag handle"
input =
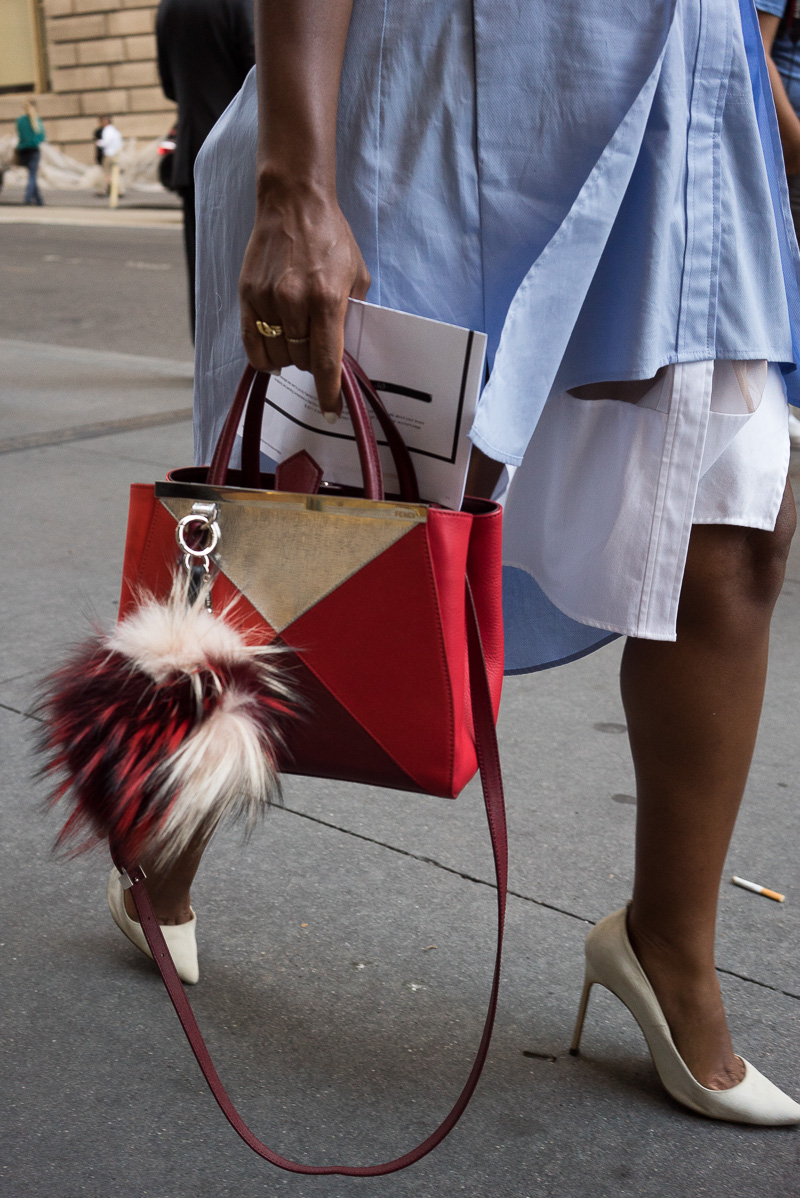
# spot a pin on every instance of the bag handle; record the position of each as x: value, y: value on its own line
x: 251, y: 434
x: 491, y: 779
x: 356, y: 387
x: 406, y: 473
x: 362, y: 427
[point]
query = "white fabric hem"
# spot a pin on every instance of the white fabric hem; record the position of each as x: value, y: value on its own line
x: 737, y: 522
x: 590, y: 621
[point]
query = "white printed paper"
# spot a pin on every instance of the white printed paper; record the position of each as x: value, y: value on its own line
x: 428, y: 375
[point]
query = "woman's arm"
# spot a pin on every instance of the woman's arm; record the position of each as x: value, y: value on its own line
x: 788, y: 121
x: 302, y: 262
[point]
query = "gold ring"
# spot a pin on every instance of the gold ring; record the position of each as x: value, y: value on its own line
x: 297, y: 340
x: 269, y: 330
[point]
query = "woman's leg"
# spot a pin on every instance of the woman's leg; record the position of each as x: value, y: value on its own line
x: 30, y: 187
x: 693, y: 708
x: 37, y: 195
x: 168, y: 889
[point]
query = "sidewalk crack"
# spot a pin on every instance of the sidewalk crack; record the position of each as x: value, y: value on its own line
x: 743, y: 977
x: 525, y: 898
x: 459, y: 873
x: 449, y: 869
x: 26, y: 715
x: 87, y: 432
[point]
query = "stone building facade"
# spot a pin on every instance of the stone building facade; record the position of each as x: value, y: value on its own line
x: 95, y: 58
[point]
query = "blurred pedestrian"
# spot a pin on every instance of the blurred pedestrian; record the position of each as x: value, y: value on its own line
x: 109, y: 144
x: 205, y: 49
x: 780, y: 30
x: 30, y: 135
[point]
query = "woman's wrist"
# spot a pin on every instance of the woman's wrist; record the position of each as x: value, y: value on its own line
x: 277, y: 184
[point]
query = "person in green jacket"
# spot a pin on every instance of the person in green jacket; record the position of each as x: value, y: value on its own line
x: 30, y: 135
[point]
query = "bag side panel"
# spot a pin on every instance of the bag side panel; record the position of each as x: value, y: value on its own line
x: 154, y: 571
x: 448, y: 543
x: 485, y: 573
x: 141, y: 509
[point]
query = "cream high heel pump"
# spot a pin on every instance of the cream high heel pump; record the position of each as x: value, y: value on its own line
x: 611, y: 962
x: 179, y: 938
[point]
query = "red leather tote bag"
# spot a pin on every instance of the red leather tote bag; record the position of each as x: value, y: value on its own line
x: 387, y: 611
x: 367, y: 594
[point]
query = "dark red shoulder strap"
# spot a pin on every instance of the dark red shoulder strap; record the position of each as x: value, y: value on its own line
x: 491, y: 778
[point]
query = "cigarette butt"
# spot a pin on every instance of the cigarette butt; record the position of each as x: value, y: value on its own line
x: 771, y: 894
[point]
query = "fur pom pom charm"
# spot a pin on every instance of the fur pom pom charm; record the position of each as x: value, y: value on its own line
x: 164, y: 727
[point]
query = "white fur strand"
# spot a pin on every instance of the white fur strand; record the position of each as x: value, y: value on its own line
x: 223, y: 770
x: 162, y: 638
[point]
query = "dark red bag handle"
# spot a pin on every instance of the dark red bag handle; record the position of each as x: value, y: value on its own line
x: 220, y: 461
x: 356, y: 387
x: 251, y: 434
x: 407, y: 475
x: 362, y: 427
x: 491, y: 779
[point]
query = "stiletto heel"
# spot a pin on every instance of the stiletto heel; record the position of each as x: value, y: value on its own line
x: 588, y: 982
x: 611, y: 962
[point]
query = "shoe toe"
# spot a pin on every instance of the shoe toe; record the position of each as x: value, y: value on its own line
x: 758, y: 1100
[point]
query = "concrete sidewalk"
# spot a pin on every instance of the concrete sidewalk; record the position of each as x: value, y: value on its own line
x: 346, y: 948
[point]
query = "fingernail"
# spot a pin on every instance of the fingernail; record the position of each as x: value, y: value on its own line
x: 331, y: 417
x: 275, y: 370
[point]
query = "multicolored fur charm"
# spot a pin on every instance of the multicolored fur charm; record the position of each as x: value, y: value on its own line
x: 164, y: 727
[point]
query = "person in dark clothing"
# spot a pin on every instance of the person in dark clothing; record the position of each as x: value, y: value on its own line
x: 205, y: 50
x: 98, y: 133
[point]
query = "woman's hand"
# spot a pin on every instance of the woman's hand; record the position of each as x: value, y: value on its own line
x: 300, y: 267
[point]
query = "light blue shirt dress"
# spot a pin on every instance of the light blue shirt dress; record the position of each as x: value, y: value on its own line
x: 596, y: 183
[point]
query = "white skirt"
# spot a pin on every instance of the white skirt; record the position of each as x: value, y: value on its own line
x: 600, y: 511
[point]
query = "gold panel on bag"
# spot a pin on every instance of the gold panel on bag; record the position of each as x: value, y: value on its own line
x: 284, y: 551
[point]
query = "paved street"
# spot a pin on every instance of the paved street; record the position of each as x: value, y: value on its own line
x: 346, y: 947
x: 98, y: 288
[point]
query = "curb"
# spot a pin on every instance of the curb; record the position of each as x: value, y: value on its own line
x: 115, y: 218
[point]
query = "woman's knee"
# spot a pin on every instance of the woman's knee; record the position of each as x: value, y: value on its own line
x: 774, y: 552
x: 729, y: 568
x: 770, y: 551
